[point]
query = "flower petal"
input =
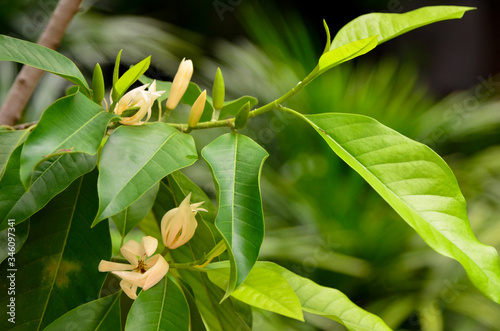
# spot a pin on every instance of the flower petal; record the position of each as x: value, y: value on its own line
x: 156, y: 272
x: 131, y: 250
x: 129, y: 289
x: 106, y: 266
x: 133, y: 277
x: 150, y: 244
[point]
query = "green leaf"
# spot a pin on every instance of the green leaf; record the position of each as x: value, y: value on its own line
x: 346, y: 52
x: 418, y: 184
x: 162, y: 307
x: 50, y: 177
x: 9, y: 140
x: 134, y: 159
x: 34, y: 55
x: 98, y: 315
x: 216, y: 316
x: 328, y: 302
x: 57, y: 267
x: 129, y: 77
x: 236, y: 162
x: 17, y: 236
x: 192, y: 93
x: 232, y: 107
x: 387, y: 26
x: 130, y: 217
x: 187, y: 186
x: 71, y: 124
x: 263, y: 288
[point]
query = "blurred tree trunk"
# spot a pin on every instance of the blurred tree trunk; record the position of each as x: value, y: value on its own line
x: 28, y: 77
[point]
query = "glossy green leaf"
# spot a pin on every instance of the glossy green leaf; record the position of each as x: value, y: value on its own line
x: 263, y: 288
x: 98, y: 315
x: 56, y: 270
x: 387, y: 25
x: 162, y: 307
x: 25, y: 52
x: 130, y: 77
x: 192, y: 93
x: 187, y: 186
x: 216, y: 315
x: 134, y: 159
x: 328, y: 302
x: 236, y: 162
x: 346, y: 52
x: 130, y: 217
x: 9, y: 140
x: 231, y: 108
x: 12, y: 240
x: 50, y: 177
x: 71, y: 124
x: 418, y: 184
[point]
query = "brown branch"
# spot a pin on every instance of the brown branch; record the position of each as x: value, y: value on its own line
x: 28, y: 77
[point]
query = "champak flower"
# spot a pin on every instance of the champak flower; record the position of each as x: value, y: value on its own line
x: 179, y: 224
x: 142, y: 271
x: 180, y: 83
x: 141, y: 98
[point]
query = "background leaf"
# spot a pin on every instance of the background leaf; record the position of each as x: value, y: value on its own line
x: 53, y: 276
x: 134, y: 159
x: 387, y: 26
x: 17, y: 50
x: 418, y: 184
x: 328, y: 302
x: 73, y: 123
x: 262, y: 288
x: 98, y: 315
x: 236, y: 162
x: 162, y: 307
x: 231, y: 108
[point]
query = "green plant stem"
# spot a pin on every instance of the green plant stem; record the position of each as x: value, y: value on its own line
x: 258, y: 111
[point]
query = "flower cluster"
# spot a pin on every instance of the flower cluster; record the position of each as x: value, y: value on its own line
x: 144, y: 269
x: 135, y: 106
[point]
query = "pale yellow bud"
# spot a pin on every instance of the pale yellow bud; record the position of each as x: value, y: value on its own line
x: 197, y: 109
x: 179, y: 224
x: 180, y: 83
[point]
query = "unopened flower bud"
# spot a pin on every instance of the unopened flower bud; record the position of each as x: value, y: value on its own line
x: 218, y: 90
x: 180, y: 83
x: 242, y: 116
x: 179, y: 224
x: 98, y: 84
x: 197, y: 109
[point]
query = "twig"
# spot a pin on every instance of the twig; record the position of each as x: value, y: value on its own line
x: 28, y: 77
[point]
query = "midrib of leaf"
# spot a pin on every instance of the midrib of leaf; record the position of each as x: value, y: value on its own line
x: 61, y: 254
x: 108, y: 311
x: 140, y: 169
x: 162, y: 303
x: 76, y: 131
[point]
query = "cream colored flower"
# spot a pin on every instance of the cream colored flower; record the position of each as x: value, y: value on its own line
x: 178, y: 224
x: 180, y: 83
x: 197, y: 109
x: 142, y: 271
x: 141, y: 98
